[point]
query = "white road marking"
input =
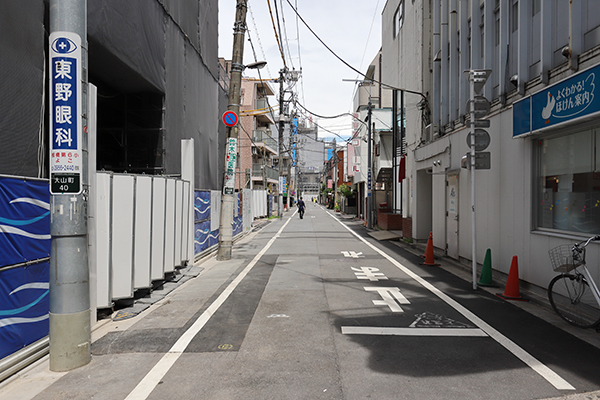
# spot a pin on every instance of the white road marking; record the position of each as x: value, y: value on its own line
x: 153, y: 378
x: 352, y: 254
x: 552, y: 377
x: 389, y: 331
x: 388, y: 294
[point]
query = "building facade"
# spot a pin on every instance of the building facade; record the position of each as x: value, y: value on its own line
x: 257, y: 148
x: 541, y: 189
x: 371, y: 92
x: 156, y: 70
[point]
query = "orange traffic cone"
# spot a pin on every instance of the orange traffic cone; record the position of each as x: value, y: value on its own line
x: 429, y: 260
x: 511, y: 292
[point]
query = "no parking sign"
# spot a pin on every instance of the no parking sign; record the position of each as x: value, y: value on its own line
x: 230, y: 118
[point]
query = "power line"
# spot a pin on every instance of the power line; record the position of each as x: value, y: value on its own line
x: 275, y: 30
x: 344, y: 61
x: 262, y: 51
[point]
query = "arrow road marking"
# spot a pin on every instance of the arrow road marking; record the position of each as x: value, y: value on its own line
x: 352, y: 254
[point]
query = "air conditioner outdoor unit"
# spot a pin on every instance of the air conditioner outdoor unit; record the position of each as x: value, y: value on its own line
x: 254, y: 151
x: 431, y: 132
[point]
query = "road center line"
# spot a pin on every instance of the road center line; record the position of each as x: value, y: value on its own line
x: 153, y: 378
x: 552, y: 377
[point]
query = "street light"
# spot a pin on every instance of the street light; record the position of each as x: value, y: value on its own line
x: 256, y: 65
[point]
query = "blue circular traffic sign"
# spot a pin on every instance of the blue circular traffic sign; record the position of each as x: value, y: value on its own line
x: 230, y: 118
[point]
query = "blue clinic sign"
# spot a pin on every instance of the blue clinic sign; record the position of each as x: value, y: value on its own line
x: 65, y: 113
x: 566, y: 101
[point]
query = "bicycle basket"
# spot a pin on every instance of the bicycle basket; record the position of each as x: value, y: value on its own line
x: 562, y: 258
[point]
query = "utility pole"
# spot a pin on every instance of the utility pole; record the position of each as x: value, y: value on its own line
x: 69, y: 318
x: 282, y: 73
x: 227, y: 197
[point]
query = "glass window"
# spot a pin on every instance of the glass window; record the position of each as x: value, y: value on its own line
x: 568, y: 182
x: 399, y: 18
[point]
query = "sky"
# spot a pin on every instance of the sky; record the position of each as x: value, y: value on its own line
x: 351, y: 28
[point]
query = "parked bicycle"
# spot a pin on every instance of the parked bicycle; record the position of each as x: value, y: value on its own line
x: 573, y: 294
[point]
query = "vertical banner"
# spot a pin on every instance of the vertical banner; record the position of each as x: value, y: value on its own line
x: 65, y: 115
x: 229, y: 185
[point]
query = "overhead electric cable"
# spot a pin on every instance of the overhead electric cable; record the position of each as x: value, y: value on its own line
x: 283, y: 33
x: 262, y: 51
x: 344, y: 61
x: 329, y: 117
x: 276, y: 36
x: 299, y: 54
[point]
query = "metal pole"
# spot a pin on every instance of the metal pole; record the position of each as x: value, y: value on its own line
x: 473, y: 225
x: 69, y: 318
x: 402, y: 140
x: 281, y: 126
x: 289, y: 168
x: 227, y: 197
x: 369, y: 161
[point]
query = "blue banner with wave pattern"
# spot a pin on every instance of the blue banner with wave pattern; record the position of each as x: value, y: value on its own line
x: 24, y: 306
x: 24, y: 220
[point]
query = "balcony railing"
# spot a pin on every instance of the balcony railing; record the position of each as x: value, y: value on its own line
x: 260, y: 136
x: 261, y: 104
x: 270, y: 172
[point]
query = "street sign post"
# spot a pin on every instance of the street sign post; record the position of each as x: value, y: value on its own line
x: 478, y: 139
x: 482, y: 139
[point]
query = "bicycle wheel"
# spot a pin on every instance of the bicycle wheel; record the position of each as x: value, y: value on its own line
x: 572, y: 299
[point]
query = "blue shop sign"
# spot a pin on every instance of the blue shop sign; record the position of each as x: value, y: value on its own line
x: 566, y: 101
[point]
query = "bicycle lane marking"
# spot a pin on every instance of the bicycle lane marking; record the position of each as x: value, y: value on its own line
x: 155, y: 375
x: 545, y: 372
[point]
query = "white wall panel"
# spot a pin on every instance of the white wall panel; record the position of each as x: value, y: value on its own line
x: 103, y: 203
x: 170, y: 226
x: 158, y: 228
x: 186, y: 218
x: 178, y: 222
x: 142, y: 232
x: 215, y: 210
x: 122, y: 237
x: 247, y: 209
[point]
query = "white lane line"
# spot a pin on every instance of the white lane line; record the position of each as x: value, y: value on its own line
x: 153, y: 378
x: 388, y: 331
x: 552, y: 377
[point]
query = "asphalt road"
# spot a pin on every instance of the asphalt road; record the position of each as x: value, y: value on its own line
x: 318, y: 309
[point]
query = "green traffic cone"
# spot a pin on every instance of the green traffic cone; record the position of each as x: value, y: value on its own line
x: 486, y: 270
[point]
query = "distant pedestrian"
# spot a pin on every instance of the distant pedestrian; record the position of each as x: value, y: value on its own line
x: 301, y: 207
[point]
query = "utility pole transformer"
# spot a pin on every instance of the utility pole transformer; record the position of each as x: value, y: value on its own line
x: 69, y: 319
x: 227, y: 197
